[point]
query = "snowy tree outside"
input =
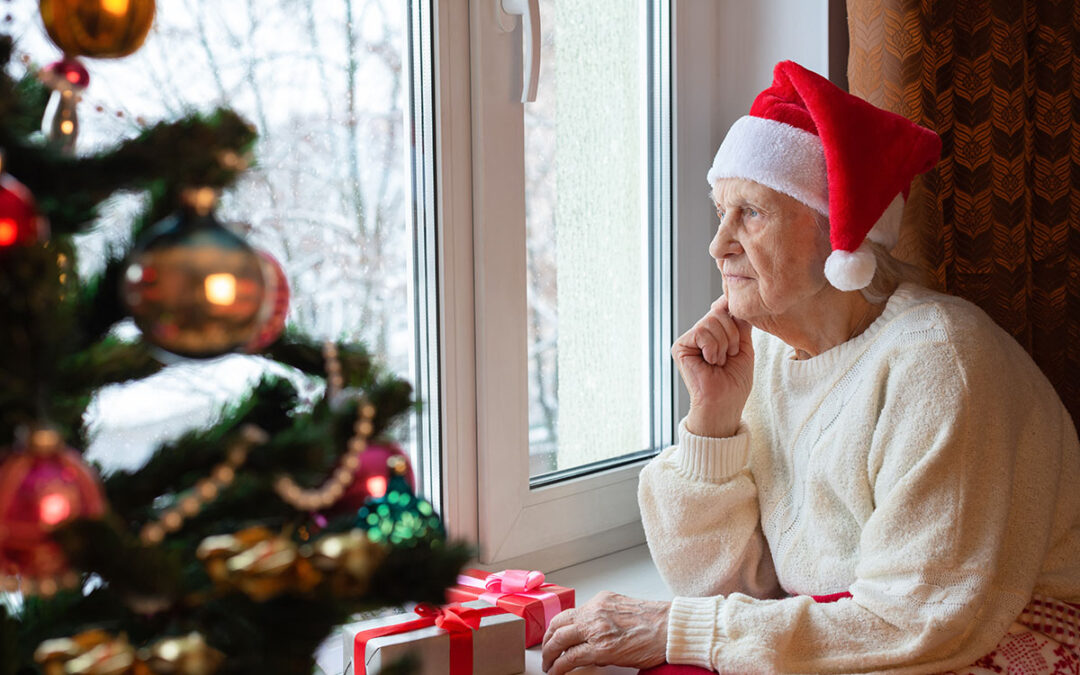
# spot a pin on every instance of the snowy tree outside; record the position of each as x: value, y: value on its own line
x: 323, y: 82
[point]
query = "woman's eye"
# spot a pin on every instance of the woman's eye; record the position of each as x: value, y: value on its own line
x: 751, y: 212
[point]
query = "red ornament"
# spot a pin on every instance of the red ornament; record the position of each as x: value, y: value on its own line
x: 67, y: 73
x: 371, y: 478
x: 42, y: 484
x: 20, y: 222
x: 275, y: 304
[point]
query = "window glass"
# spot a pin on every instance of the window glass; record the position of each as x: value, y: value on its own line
x: 587, y: 223
x: 324, y: 84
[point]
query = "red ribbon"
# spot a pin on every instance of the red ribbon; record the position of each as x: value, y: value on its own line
x: 831, y: 597
x: 457, y: 620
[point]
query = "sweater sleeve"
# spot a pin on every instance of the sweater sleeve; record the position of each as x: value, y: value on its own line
x: 965, y: 474
x: 699, y: 509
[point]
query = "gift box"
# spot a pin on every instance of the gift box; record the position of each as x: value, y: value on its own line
x: 517, y: 591
x: 473, y: 638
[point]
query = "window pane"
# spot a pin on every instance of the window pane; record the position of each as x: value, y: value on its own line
x: 324, y: 84
x: 587, y: 236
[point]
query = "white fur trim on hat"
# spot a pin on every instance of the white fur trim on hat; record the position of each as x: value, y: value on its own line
x: 777, y: 155
x: 886, y: 230
x: 851, y: 270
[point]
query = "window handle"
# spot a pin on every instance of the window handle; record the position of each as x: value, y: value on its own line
x: 529, y: 11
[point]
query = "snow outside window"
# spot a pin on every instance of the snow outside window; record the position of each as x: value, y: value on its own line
x: 327, y: 86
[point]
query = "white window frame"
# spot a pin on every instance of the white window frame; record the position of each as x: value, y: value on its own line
x: 480, y: 419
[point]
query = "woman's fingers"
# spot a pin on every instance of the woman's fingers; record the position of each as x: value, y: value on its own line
x: 746, y: 340
x: 715, y: 336
x: 712, y: 340
x: 578, y: 656
x: 559, y: 641
x: 731, y: 326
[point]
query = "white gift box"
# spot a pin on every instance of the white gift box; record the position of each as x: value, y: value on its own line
x: 498, y: 645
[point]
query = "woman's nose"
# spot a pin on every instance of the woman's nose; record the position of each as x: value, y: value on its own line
x: 723, y: 244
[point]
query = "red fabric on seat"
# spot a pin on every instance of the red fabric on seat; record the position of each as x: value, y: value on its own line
x: 668, y: 669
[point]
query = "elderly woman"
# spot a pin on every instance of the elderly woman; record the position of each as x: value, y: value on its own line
x: 872, y: 477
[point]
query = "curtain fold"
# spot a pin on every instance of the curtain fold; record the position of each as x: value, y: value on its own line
x: 998, y: 221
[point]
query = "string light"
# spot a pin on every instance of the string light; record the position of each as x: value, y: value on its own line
x: 331, y: 491
x: 206, y: 489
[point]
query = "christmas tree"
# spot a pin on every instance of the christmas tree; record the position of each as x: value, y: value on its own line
x: 233, y: 548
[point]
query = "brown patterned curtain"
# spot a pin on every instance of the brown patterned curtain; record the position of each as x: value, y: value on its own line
x: 998, y: 222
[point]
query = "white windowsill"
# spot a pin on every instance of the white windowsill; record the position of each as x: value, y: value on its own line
x: 630, y: 572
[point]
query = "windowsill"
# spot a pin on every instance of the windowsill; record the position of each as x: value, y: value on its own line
x: 630, y: 572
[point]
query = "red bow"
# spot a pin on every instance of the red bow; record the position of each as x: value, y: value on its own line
x: 457, y: 620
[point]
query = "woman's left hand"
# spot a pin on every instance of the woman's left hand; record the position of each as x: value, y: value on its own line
x: 609, y: 630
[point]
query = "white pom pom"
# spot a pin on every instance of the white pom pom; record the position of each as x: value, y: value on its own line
x: 850, y: 270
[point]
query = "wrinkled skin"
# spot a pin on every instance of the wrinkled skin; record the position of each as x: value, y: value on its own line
x: 609, y: 630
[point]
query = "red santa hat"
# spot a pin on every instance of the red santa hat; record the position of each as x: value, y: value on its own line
x: 836, y: 153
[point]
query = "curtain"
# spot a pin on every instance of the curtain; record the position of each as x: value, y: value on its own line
x: 998, y: 221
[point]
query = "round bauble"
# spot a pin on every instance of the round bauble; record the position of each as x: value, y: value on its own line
x: 97, y: 28
x: 194, y: 288
x: 372, y: 477
x: 20, y: 222
x: 43, y: 483
x: 275, y: 305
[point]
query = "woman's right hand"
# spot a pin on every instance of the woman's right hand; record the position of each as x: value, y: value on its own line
x: 716, y: 361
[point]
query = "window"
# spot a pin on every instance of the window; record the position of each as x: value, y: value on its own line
x: 326, y: 84
x: 570, y: 298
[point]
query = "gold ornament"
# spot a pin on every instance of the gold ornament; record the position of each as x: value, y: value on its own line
x: 263, y: 565
x: 96, y: 652
x: 97, y: 28
x: 258, y: 563
x: 347, y: 560
x: 185, y: 655
x: 93, y: 652
x: 193, y: 287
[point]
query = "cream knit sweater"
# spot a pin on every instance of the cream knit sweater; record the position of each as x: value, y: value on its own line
x: 926, y: 466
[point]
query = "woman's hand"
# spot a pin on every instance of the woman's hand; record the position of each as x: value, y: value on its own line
x: 609, y: 630
x: 716, y: 361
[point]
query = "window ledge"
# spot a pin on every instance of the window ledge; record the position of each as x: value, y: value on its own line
x: 630, y: 572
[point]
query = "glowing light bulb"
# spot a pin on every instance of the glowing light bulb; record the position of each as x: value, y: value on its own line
x: 221, y: 288
x: 115, y: 6
x: 54, y: 508
x: 169, y: 651
x: 9, y: 231
x: 66, y: 127
x: 72, y: 77
x: 376, y: 486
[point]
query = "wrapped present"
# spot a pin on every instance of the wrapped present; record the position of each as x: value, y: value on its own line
x: 474, y: 638
x: 519, y: 592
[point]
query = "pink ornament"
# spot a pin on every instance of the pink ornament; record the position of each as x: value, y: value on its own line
x: 275, y: 304
x: 371, y: 478
x: 42, y: 485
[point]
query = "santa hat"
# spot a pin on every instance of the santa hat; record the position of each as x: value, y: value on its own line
x: 836, y: 153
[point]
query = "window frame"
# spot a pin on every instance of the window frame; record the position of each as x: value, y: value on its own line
x: 483, y: 400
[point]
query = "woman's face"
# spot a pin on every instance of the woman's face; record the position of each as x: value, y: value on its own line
x: 770, y: 249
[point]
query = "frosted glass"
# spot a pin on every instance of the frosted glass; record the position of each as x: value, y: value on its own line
x: 586, y: 220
